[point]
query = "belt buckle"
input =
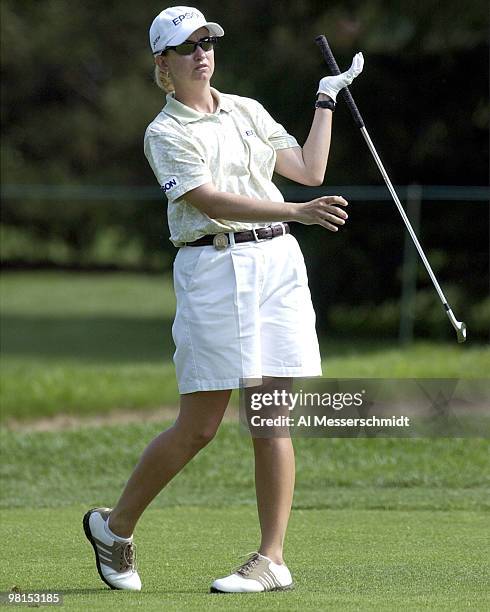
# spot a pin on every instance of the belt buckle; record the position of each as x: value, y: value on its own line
x: 220, y: 241
x: 256, y: 237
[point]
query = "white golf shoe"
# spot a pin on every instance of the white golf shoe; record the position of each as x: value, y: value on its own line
x: 256, y: 575
x: 116, y: 561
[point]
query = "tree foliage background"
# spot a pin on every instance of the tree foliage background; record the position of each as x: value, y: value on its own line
x: 77, y: 95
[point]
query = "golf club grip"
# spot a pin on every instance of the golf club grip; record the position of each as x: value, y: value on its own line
x: 322, y: 42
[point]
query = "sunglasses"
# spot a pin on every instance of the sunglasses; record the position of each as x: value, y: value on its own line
x: 189, y: 47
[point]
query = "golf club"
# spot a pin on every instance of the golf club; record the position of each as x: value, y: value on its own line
x: 322, y: 42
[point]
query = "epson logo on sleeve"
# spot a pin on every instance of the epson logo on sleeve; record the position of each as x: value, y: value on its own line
x: 170, y: 184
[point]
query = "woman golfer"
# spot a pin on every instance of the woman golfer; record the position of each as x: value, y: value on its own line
x: 244, y: 313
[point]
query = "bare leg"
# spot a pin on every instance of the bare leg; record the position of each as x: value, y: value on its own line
x: 274, y: 480
x: 199, y: 418
x: 274, y: 485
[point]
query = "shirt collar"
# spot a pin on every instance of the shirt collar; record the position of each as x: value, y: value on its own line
x: 184, y: 114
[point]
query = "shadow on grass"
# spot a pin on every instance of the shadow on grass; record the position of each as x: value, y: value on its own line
x: 93, y: 591
x: 101, y: 338
x: 119, y: 339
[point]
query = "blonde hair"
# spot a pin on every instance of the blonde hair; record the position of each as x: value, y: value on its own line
x: 163, y: 80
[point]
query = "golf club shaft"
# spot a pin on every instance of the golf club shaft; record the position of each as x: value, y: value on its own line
x: 403, y: 214
x: 345, y: 93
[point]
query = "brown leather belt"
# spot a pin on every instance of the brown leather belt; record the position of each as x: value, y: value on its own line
x: 221, y: 241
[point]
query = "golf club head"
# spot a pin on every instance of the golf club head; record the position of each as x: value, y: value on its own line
x: 461, y: 331
x: 459, y: 326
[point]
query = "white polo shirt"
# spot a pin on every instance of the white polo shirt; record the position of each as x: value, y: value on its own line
x: 234, y: 148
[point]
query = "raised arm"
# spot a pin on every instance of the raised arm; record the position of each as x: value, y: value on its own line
x: 307, y: 165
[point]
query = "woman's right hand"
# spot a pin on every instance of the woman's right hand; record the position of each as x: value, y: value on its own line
x: 322, y: 211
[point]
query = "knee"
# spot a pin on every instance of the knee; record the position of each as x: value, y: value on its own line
x: 198, y: 438
x: 203, y: 437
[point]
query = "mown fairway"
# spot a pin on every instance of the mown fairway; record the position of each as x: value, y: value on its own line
x: 341, y: 559
x: 377, y: 524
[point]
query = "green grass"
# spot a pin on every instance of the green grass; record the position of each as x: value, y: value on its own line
x: 90, y: 343
x: 57, y: 468
x: 377, y: 524
x: 422, y: 359
x: 385, y: 524
x: 340, y: 559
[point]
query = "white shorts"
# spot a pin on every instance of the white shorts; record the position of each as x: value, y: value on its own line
x: 242, y: 313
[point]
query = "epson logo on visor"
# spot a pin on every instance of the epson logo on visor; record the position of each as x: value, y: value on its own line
x: 178, y: 20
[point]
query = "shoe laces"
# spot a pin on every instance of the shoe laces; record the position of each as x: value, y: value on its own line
x: 247, y: 567
x: 128, y: 556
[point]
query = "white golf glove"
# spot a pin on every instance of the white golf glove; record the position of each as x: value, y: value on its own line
x: 331, y: 85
